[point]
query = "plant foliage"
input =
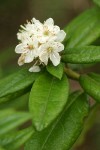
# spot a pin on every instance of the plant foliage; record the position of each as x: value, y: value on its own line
x: 55, y: 116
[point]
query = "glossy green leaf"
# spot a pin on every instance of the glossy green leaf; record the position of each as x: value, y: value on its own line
x: 62, y: 134
x: 11, y: 120
x: 91, y: 86
x: 84, y: 29
x: 86, y: 54
x: 97, y: 2
x: 13, y: 141
x: 16, y: 84
x: 56, y: 71
x: 47, y: 99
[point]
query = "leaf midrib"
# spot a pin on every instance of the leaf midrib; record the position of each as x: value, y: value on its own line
x: 45, y: 108
x: 54, y: 126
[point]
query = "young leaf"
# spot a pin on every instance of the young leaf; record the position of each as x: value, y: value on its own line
x: 13, y: 141
x: 12, y: 120
x: 91, y: 86
x: 16, y: 84
x: 84, y: 29
x: 65, y: 130
x: 47, y: 99
x: 97, y: 2
x: 87, y: 54
x: 56, y: 71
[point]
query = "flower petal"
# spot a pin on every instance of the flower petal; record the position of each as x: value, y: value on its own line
x: 58, y: 46
x: 37, y: 23
x: 29, y: 57
x: 19, y: 49
x: 49, y: 22
x: 35, y: 42
x: 56, y: 29
x: 43, y: 47
x: 44, y: 57
x: 35, y: 69
x: 61, y: 35
x: 43, y: 39
x: 21, y: 60
x: 55, y: 58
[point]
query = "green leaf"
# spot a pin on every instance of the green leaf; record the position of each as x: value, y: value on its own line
x: 2, y: 148
x: 56, y: 71
x: 6, y: 112
x: 62, y: 134
x: 16, y: 84
x: 47, y: 99
x: 95, y: 76
x: 15, y: 140
x: 97, y: 2
x: 86, y: 54
x: 91, y: 86
x: 89, y: 123
x: 77, y: 22
x: 20, y: 103
x: 84, y: 29
x: 11, y: 120
x: 71, y: 99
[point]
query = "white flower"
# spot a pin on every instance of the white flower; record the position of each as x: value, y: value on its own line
x: 22, y: 35
x: 35, y: 69
x: 48, y: 31
x: 50, y: 50
x: 28, y: 49
x: 40, y: 43
x: 28, y: 30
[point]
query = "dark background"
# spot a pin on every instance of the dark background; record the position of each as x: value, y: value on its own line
x: 13, y: 13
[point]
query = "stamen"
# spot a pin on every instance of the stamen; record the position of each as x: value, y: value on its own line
x: 50, y: 49
x: 46, y: 33
x: 31, y: 47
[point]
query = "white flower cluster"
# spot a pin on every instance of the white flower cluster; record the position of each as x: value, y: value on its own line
x: 40, y: 43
